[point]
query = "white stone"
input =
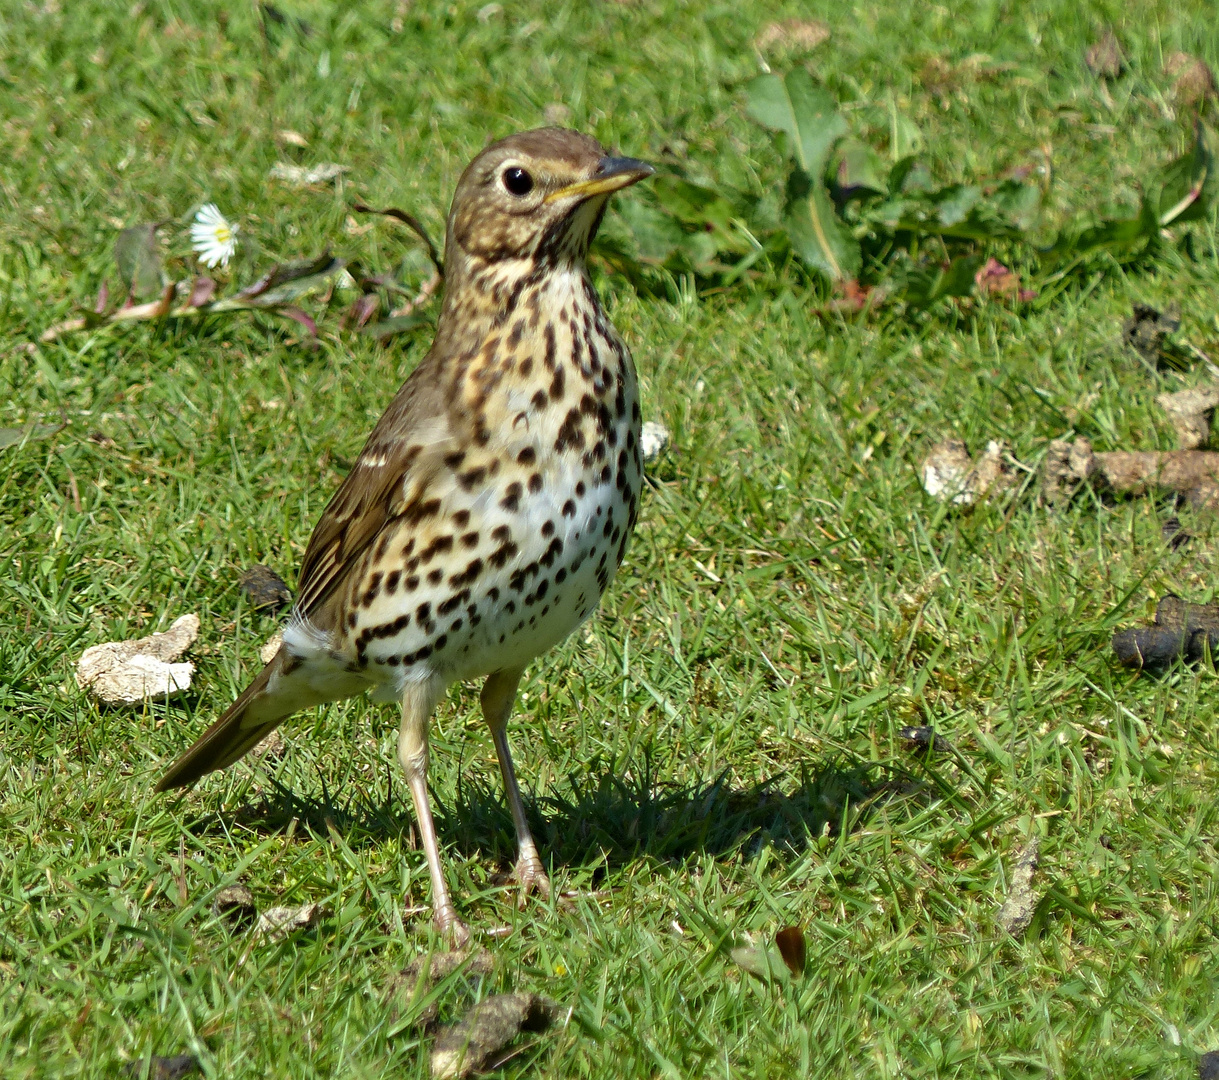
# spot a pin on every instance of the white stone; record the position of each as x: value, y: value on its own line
x: 653, y: 440
x: 129, y: 672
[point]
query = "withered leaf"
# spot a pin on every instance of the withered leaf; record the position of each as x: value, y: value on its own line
x: 792, y: 947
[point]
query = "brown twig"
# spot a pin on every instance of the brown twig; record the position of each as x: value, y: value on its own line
x: 412, y: 222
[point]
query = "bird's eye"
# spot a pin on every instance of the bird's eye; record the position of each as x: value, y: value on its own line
x: 518, y: 181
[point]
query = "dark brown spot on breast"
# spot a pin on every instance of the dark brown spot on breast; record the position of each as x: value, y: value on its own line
x: 535, y: 483
x: 527, y: 456
x: 569, y: 508
x: 548, y: 528
x: 374, y: 587
x: 512, y: 497
x: 421, y: 511
x: 461, y: 519
x: 500, y: 556
x: 469, y: 574
x: 553, y: 551
x: 471, y: 478
x: 439, y: 545
x: 391, y: 581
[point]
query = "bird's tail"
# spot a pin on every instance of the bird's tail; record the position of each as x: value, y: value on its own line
x: 267, y: 701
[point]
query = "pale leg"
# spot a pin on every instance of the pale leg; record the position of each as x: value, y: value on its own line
x: 417, y: 705
x: 499, y: 692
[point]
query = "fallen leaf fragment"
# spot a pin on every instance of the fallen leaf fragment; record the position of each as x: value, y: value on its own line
x: 653, y: 440
x: 1104, y: 56
x: 1190, y: 412
x: 1193, y: 80
x: 1016, y: 913
x: 792, y: 35
x: 1174, y: 534
x: 267, y: 653
x: 470, y: 1045
x: 924, y: 739
x: 793, y: 948
x: 273, y: 747
x: 1147, y: 332
x: 14, y: 436
x: 1181, y: 629
x: 951, y: 475
x: 265, y: 589
x: 236, y: 904
x: 307, y: 175
x: 995, y: 279
x: 128, y: 672
x: 424, y: 972
x: 760, y: 961
x: 277, y: 923
x: 1194, y: 473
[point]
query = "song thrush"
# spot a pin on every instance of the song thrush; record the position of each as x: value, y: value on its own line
x: 493, y: 502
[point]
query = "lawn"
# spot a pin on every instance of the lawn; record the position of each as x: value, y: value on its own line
x: 718, y: 753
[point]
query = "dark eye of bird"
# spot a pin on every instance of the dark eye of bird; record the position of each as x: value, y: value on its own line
x: 518, y: 181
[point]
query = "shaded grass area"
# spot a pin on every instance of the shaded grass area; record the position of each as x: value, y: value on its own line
x: 718, y: 754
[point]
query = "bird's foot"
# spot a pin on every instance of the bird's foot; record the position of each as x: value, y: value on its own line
x: 452, y: 928
x: 530, y: 876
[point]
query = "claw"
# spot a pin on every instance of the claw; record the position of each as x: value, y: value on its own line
x: 531, y: 877
x: 451, y: 927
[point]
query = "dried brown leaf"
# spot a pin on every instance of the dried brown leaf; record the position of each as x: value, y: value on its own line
x: 1016, y: 912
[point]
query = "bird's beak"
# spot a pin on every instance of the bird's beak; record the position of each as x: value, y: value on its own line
x: 612, y: 174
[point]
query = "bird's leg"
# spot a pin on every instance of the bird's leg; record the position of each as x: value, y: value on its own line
x: 417, y: 704
x: 499, y: 692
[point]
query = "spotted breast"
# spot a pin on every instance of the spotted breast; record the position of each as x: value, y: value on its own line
x: 505, y: 549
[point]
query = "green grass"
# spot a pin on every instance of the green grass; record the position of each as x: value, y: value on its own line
x: 719, y: 753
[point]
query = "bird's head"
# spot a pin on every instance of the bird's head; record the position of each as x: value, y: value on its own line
x: 537, y: 197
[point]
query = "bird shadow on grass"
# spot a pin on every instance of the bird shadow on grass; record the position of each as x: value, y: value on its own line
x: 609, y: 816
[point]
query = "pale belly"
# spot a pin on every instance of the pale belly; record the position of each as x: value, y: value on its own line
x: 504, y: 586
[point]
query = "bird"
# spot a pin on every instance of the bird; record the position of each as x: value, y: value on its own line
x: 494, y: 500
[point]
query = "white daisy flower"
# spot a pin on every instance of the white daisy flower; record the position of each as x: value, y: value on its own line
x: 213, y: 236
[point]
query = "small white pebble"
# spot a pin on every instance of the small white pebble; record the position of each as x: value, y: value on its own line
x: 652, y: 441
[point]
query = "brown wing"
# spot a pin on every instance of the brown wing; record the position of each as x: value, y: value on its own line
x: 391, y: 473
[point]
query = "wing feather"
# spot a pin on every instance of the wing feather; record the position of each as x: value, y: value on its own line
x: 392, y: 473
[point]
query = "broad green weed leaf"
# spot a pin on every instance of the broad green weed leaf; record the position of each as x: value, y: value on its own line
x: 14, y: 436
x: 953, y: 204
x: 1018, y: 201
x: 1188, y: 184
x: 808, y: 116
x: 817, y: 235
x: 693, y: 203
x: 799, y: 108
x: 657, y: 234
x: 857, y: 170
